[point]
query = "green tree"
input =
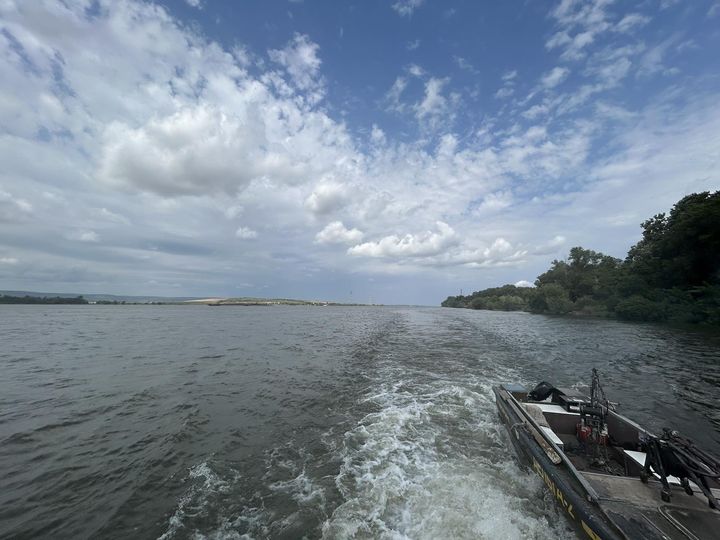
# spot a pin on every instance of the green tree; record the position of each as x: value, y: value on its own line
x: 551, y: 298
x: 585, y: 273
x: 681, y: 249
x: 672, y: 274
x: 454, y: 301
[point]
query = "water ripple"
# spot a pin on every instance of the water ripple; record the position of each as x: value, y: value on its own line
x: 185, y: 422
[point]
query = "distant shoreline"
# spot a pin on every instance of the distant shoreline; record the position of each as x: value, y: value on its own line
x: 66, y: 299
x: 27, y: 299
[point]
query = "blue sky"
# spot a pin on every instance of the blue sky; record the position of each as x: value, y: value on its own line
x: 393, y: 151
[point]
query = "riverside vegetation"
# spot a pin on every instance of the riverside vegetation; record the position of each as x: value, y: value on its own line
x: 27, y: 299
x: 672, y: 274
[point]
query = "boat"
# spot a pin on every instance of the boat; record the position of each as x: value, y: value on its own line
x: 611, y: 478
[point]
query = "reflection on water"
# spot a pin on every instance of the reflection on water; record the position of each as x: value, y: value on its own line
x: 187, y: 422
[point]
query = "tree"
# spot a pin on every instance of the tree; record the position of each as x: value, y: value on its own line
x: 454, y: 301
x: 551, y: 298
x: 672, y: 274
x: 585, y: 273
x: 681, y: 249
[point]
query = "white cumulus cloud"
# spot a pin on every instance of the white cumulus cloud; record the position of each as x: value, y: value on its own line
x: 337, y: 233
x: 410, y: 245
x: 433, y: 102
x: 206, y: 149
x: 300, y: 59
x: 327, y: 197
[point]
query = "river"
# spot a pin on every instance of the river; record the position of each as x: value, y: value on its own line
x: 180, y: 422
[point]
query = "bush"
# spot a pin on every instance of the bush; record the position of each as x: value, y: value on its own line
x: 639, y: 308
x: 551, y: 298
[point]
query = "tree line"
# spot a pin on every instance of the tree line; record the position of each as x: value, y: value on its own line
x: 7, y: 299
x: 672, y: 274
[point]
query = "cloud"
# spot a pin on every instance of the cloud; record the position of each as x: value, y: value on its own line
x: 499, y: 247
x: 8, y: 260
x: 653, y: 60
x: 84, y: 236
x: 327, y: 197
x: 493, y: 202
x: 88, y: 236
x: 233, y: 211
x: 558, y: 40
x: 411, y: 245
x: 550, y: 247
x: 415, y: 70
x: 406, y: 8
x: 504, y: 92
x: 245, y: 233
x: 578, y: 13
x: 412, y: 45
x: 463, y: 64
x: 524, y: 283
x: 574, y: 46
x: 131, y: 125
x: 433, y: 102
x: 13, y: 208
x: 554, y: 77
x: 377, y: 135
x: 300, y: 59
x: 393, y: 95
x: 535, y: 111
x: 195, y: 3
x: 507, y: 90
x: 500, y: 253
x: 580, y: 23
x: 166, y: 155
x: 107, y: 215
x: 337, y: 233
x: 204, y: 149
x: 435, y: 109
x: 631, y: 21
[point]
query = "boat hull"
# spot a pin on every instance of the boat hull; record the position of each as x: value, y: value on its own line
x: 585, y: 517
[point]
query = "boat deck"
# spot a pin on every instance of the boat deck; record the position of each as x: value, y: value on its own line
x: 639, y: 512
x: 609, y: 469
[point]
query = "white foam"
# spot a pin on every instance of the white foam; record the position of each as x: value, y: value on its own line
x: 302, y: 489
x: 206, y: 484
x: 428, y: 460
x: 431, y: 463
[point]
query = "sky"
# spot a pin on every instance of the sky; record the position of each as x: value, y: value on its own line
x: 393, y: 151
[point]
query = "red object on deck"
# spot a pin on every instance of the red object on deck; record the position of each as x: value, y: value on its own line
x: 583, y: 432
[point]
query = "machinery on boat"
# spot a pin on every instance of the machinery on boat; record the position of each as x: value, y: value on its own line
x: 610, y: 477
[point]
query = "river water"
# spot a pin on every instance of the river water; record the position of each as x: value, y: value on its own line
x: 179, y: 422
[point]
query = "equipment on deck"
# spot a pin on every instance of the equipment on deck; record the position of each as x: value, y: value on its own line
x: 604, y: 471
